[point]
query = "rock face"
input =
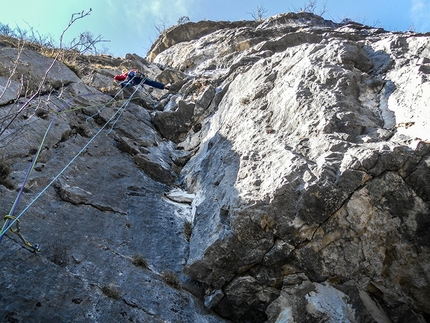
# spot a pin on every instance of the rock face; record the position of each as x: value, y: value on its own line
x: 285, y: 179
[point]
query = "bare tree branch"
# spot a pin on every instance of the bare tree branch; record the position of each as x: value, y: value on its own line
x: 74, y: 17
x: 259, y: 14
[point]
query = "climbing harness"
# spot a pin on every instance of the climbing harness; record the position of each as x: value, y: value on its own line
x: 10, y: 219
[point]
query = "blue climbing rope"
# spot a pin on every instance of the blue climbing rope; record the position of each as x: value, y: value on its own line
x: 10, y: 219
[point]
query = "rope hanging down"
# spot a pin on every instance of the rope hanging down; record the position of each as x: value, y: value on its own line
x: 10, y: 216
x: 10, y: 219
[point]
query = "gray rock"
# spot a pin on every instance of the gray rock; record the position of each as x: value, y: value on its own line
x: 174, y: 125
x: 283, y: 155
x: 284, y: 181
x: 9, y: 91
x: 33, y: 66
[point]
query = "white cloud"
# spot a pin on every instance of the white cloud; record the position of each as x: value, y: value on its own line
x: 156, y: 8
x: 144, y: 16
x: 140, y: 20
x: 171, y: 10
x: 420, y: 15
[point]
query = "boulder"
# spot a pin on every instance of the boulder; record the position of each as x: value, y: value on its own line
x: 284, y: 180
x: 33, y: 66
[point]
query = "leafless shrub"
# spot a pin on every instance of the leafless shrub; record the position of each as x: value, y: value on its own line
x: 161, y: 26
x: 6, y: 30
x: 310, y: 6
x: 346, y: 21
x: 68, y: 54
x: 33, y: 36
x: 259, y: 14
x: 183, y: 20
x: 86, y: 43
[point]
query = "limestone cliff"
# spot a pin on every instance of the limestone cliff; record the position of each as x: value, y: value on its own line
x: 283, y: 178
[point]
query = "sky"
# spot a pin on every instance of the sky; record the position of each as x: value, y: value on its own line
x: 130, y: 26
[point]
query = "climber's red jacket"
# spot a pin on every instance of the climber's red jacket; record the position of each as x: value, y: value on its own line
x: 121, y: 77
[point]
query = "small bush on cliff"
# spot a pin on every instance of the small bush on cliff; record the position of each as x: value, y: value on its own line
x: 310, y: 6
x: 188, y: 230
x: 4, y: 170
x: 259, y: 14
x: 85, y: 43
x: 171, y: 279
x: 183, y: 20
x: 139, y: 261
x: 111, y: 291
x: 68, y: 54
x: 4, y: 173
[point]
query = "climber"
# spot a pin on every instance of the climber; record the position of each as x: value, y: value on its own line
x: 134, y: 77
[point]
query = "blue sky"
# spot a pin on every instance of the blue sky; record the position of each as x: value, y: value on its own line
x: 129, y: 25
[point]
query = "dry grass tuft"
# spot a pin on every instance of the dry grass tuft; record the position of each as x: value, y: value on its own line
x: 188, y: 230
x: 111, y: 291
x: 4, y: 170
x: 171, y: 279
x: 139, y: 261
